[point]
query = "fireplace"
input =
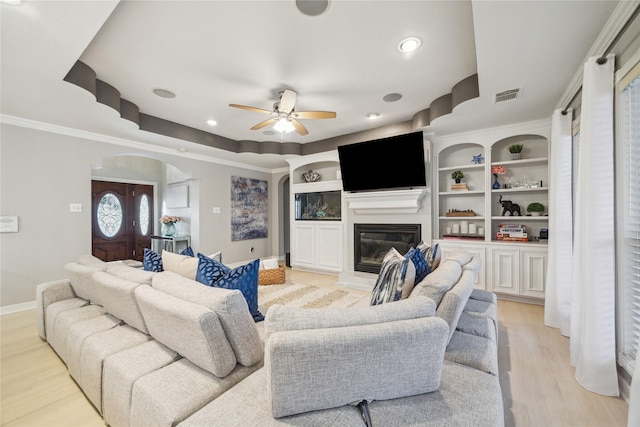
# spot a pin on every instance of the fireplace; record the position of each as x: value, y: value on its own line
x: 372, y: 242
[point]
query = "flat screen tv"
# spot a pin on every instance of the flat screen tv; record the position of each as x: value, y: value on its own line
x: 393, y: 162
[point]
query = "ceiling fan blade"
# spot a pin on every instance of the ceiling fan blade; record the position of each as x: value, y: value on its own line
x: 299, y: 128
x: 244, y: 107
x: 288, y: 101
x: 314, y: 115
x: 265, y: 123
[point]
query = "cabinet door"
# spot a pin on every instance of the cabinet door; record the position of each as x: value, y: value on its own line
x: 303, y: 248
x: 505, y: 271
x: 329, y: 247
x: 534, y: 272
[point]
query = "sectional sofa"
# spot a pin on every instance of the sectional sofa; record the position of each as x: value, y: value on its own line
x: 161, y: 349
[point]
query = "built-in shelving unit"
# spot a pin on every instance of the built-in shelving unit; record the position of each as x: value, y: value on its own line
x: 511, y: 269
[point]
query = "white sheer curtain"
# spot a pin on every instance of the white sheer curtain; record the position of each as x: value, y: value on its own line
x: 593, y: 335
x: 557, y: 310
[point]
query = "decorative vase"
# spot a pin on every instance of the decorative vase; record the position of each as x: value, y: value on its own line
x: 168, y: 229
x: 496, y: 184
x: 515, y: 156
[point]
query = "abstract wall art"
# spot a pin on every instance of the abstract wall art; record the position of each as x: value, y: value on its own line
x: 249, y: 208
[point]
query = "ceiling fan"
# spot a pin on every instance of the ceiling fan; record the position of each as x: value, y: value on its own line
x: 285, y: 117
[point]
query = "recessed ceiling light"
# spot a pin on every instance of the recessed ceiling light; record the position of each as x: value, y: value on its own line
x: 392, y: 97
x: 164, y: 93
x: 182, y: 150
x: 373, y: 116
x: 410, y: 44
x: 211, y: 122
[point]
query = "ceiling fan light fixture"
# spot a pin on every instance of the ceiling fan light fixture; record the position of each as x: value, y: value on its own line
x: 409, y: 44
x: 284, y: 126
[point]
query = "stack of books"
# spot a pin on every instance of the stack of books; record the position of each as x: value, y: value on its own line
x: 461, y: 186
x: 512, y: 233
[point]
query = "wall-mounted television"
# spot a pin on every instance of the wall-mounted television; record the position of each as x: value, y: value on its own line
x: 393, y: 162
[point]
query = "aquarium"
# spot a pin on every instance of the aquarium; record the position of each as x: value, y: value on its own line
x: 325, y: 206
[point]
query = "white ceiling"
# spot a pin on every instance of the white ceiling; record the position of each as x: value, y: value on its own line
x: 213, y: 53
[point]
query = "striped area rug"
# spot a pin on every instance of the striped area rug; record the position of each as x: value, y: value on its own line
x: 308, y: 296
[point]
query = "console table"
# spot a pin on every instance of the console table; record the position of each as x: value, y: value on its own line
x: 170, y: 243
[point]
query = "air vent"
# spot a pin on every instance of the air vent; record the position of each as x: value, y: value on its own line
x: 507, y: 95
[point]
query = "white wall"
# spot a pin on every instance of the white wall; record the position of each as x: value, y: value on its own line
x: 42, y: 172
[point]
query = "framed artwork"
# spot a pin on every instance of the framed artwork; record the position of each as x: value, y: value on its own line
x: 249, y: 208
x: 178, y: 196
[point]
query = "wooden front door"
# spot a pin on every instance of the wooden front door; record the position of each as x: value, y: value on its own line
x: 122, y: 220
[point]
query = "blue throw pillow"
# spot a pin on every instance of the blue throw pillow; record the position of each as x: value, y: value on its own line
x: 417, y: 258
x: 244, y: 278
x: 187, y: 252
x: 209, y: 270
x: 152, y: 261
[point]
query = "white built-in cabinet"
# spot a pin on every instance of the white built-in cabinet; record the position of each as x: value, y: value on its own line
x: 316, y: 244
x: 511, y: 269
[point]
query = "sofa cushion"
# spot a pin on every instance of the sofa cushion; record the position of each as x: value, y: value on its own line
x: 420, y: 263
x: 454, y: 301
x: 229, y: 305
x: 461, y: 256
x: 170, y: 394
x: 474, y: 351
x: 284, y: 318
x: 48, y: 293
x: 96, y: 349
x: 474, y: 265
x: 53, y: 310
x: 243, y: 278
x: 63, y: 323
x: 122, y: 370
x: 193, y: 330
x: 78, y: 333
x: 81, y: 279
x: 152, y: 261
x: 91, y: 261
x: 438, y: 282
x: 304, y: 367
x: 457, y: 402
x: 130, y: 273
x: 117, y: 296
x: 395, y: 280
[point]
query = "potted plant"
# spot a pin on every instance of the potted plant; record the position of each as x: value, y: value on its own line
x: 515, y: 150
x: 457, y: 176
x: 535, y: 209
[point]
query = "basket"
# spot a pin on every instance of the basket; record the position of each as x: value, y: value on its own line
x: 272, y: 276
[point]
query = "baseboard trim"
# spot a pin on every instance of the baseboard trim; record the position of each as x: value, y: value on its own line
x: 16, y: 308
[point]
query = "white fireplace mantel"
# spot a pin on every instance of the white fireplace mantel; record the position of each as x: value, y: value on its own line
x: 386, y: 202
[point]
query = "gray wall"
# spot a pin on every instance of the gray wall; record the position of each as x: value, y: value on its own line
x: 41, y: 173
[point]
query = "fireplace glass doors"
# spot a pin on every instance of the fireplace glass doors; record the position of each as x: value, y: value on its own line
x: 373, y: 241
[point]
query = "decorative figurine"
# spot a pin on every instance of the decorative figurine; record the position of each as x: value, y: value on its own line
x: 509, y: 206
x: 478, y: 160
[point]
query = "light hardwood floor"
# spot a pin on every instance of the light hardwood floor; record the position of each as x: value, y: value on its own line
x: 538, y: 383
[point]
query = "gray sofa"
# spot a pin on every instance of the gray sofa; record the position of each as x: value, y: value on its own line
x: 160, y: 349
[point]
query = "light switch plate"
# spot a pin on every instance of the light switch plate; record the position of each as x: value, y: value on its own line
x: 75, y: 207
x: 217, y: 210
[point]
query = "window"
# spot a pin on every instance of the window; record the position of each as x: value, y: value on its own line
x: 144, y: 216
x: 628, y: 208
x: 109, y: 215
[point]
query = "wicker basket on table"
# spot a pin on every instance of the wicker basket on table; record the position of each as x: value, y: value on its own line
x: 272, y: 276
